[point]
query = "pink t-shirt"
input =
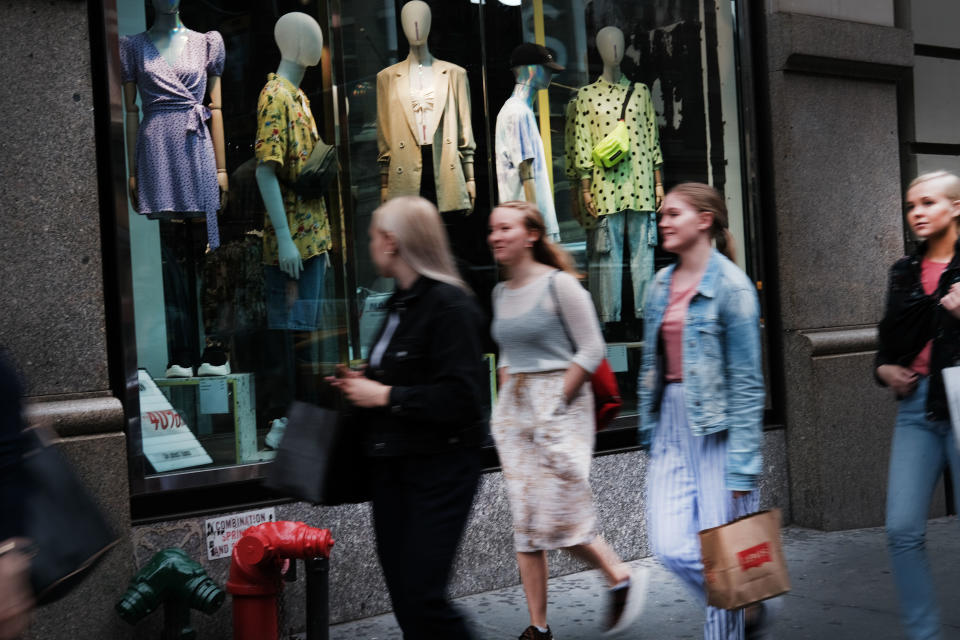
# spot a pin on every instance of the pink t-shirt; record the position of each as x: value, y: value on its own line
x: 930, y: 273
x: 671, y: 330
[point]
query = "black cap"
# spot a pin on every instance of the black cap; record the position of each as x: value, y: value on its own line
x: 531, y: 53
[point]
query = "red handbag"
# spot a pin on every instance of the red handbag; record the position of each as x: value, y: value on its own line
x: 606, y: 395
x: 606, y: 392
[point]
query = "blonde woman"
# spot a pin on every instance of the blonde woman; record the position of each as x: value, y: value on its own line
x: 919, y: 336
x: 543, y: 424
x: 419, y: 401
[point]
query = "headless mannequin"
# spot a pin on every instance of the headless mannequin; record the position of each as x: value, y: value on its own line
x: 610, y: 44
x: 169, y: 36
x: 300, y: 41
x: 416, y: 19
x: 530, y: 79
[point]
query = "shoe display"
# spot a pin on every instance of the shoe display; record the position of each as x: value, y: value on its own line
x: 532, y: 633
x: 626, y: 603
x: 277, y: 427
x: 180, y: 366
x: 214, y: 362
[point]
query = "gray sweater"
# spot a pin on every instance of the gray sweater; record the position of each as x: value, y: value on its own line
x: 529, y: 330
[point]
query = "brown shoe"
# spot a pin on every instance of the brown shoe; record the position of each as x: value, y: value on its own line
x: 532, y: 633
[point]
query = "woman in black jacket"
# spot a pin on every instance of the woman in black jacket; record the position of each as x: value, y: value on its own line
x: 919, y: 337
x: 420, y: 404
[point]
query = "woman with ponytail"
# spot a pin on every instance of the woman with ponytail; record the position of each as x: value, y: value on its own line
x: 701, y: 394
x: 550, y: 343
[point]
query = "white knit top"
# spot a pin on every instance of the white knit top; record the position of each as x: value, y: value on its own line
x: 530, y: 333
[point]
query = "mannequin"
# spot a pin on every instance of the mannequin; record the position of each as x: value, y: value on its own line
x: 424, y: 125
x: 176, y: 159
x: 200, y: 186
x: 522, y: 168
x: 296, y: 234
x: 623, y: 199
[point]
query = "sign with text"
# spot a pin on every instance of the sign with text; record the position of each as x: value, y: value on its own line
x: 168, y: 443
x: 213, y: 395
x: 223, y: 532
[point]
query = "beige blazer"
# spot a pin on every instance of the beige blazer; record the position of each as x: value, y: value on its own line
x: 399, y: 146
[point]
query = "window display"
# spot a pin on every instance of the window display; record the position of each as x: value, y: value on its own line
x: 246, y: 292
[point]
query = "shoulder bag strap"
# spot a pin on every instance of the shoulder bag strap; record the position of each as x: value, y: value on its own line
x: 556, y: 303
x: 623, y: 109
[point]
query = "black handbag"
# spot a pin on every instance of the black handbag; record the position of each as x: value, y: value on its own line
x: 320, y: 458
x: 318, y: 172
x: 68, y: 531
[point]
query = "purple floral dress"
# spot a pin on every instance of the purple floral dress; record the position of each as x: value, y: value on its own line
x: 176, y: 168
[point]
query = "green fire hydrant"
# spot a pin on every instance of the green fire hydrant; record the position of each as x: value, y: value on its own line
x: 180, y: 584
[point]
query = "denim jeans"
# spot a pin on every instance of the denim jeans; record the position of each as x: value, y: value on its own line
x: 921, y: 451
x: 638, y: 230
x: 295, y: 304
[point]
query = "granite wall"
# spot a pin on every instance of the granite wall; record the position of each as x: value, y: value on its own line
x: 52, y: 274
x: 833, y: 221
x: 485, y: 561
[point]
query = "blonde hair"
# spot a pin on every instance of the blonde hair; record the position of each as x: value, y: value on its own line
x: 417, y: 228
x: 544, y: 251
x: 951, y: 187
x: 703, y: 197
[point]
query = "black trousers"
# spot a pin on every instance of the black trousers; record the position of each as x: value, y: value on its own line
x: 420, y: 509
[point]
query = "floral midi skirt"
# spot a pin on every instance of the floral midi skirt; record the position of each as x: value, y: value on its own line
x: 545, y: 449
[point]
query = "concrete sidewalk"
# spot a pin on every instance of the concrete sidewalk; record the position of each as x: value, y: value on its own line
x: 842, y: 589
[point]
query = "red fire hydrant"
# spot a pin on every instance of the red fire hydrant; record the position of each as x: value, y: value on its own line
x: 256, y: 573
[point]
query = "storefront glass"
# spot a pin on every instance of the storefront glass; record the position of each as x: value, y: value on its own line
x: 225, y: 337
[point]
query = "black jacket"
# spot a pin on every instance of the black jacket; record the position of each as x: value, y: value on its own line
x: 12, y: 495
x: 912, y: 318
x: 434, y: 365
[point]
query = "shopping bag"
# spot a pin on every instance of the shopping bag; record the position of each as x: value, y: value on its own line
x: 951, y: 383
x: 743, y: 561
x: 69, y: 532
x: 320, y: 458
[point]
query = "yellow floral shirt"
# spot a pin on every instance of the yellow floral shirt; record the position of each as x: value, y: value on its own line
x: 286, y: 134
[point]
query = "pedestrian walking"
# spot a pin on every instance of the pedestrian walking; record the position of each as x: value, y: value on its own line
x: 543, y: 424
x: 16, y: 596
x: 419, y: 401
x: 701, y: 394
x: 919, y: 336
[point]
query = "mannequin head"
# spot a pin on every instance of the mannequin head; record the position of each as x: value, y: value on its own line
x: 166, y: 7
x: 299, y: 39
x: 533, y: 75
x: 415, y: 19
x: 610, y: 45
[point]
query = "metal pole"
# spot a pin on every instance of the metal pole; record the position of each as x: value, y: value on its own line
x: 317, y: 571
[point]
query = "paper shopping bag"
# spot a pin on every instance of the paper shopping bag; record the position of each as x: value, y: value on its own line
x: 743, y: 561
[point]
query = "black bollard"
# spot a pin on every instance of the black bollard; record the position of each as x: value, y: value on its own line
x: 317, y: 571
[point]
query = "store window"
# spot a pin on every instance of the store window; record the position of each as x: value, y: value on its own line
x: 225, y: 336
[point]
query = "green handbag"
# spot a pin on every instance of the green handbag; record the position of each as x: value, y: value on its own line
x: 615, y: 145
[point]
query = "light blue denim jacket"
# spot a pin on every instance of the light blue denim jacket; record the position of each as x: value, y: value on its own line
x: 722, y: 369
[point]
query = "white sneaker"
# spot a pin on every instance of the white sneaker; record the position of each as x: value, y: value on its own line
x: 207, y: 369
x: 626, y: 603
x: 179, y: 371
x: 275, y: 435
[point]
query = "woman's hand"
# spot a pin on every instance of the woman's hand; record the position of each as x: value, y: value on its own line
x: 362, y: 392
x: 951, y: 301
x: 902, y: 380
